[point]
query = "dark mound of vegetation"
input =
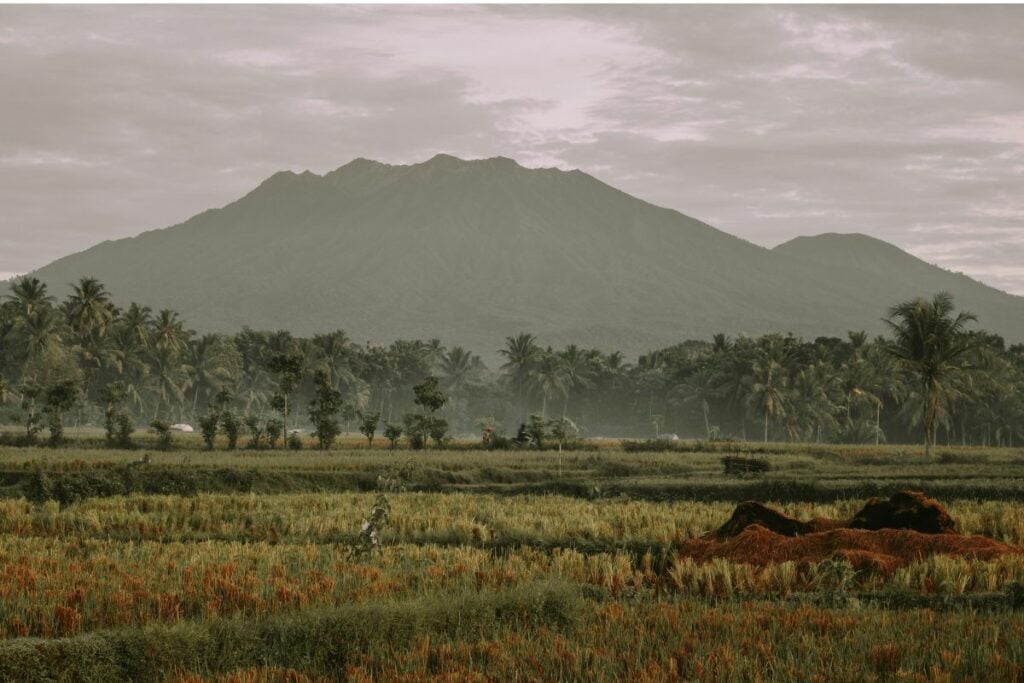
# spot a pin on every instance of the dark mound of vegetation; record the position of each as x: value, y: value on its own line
x: 751, y: 513
x: 905, y: 510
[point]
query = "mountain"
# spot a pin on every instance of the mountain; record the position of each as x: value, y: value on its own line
x: 473, y: 251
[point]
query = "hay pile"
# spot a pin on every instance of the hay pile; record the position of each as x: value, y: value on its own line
x: 884, y: 535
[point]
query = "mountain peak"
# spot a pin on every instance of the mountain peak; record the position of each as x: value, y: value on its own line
x: 838, y: 245
x: 361, y: 163
x: 443, y: 160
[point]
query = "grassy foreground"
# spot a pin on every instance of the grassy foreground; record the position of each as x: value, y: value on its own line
x: 495, y: 566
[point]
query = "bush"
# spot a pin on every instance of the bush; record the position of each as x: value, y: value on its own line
x: 274, y: 430
x: 163, y: 434
x: 393, y: 433
x: 231, y: 427
x: 256, y: 430
x: 208, y: 428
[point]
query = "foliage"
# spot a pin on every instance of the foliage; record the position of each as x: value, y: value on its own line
x: 274, y: 430
x: 393, y: 433
x: 931, y: 340
x: 564, y: 431
x: 163, y: 434
x: 256, y: 431
x: 368, y: 428
x: 231, y: 426
x: 208, y: 428
x: 536, y: 431
x: 851, y: 389
x: 324, y: 409
x: 117, y: 423
x: 59, y: 398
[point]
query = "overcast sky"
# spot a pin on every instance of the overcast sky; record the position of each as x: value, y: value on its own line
x: 768, y: 122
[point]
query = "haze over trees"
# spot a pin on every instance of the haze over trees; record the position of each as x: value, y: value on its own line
x: 83, y: 360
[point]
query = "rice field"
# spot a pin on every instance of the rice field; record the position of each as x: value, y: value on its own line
x: 473, y: 581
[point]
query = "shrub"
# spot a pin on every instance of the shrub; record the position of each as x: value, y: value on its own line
x: 393, y: 433
x: 231, y: 427
x: 208, y: 428
x: 163, y: 434
x: 274, y: 430
x: 255, y: 427
x: 368, y: 427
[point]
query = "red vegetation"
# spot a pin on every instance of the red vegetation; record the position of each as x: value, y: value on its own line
x: 883, y: 550
x: 884, y: 535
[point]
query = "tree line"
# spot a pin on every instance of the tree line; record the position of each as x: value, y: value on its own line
x: 86, y: 361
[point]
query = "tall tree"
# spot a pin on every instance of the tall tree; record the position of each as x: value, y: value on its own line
x: 930, y: 339
x: 521, y: 354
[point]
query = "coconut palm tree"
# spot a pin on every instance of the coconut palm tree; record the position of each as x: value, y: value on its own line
x: 28, y: 294
x: 168, y: 331
x: 549, y: 378
x: 138, y: 321
x: 930, y: 340
x: 90, y: 311
x: 769, y: 379
x: 521, y: 354
x: 461, y: 370
x: 167, y: 380
x: 701, y: 388
x: 578, y: 370
x: 212, y: 365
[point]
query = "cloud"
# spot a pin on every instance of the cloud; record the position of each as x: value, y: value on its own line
x: 766, y: 121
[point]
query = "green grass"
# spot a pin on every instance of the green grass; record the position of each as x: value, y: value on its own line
x: 813, y: 474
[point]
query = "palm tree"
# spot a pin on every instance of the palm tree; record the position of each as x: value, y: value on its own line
x: 769, y: 379
x: 138, y: 321
x: 168, y: 378
x: 578, y: 371
x: 872, y: 377
x: 90, y: 310
x: 460, y: 370
x: 207, y: 364
x: 733, y: 360
x: 38, y: 332
x: 813, y: 401
x: 90, y: 315
x: 700, y: 387
x: 930, y: 340
x: 169, y: 331
x: 28, y: 294
x: 549, y: 378
x: 521, y: 354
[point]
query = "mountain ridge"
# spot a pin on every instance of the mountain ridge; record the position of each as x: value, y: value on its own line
x: 473, y: 251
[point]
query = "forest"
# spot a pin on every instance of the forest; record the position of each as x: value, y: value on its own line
x: 938, y: 377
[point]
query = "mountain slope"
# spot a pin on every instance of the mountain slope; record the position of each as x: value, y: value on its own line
x: 473, y: 251
x: 867, y: 271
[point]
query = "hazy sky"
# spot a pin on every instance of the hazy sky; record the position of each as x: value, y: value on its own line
x: 768, y: 122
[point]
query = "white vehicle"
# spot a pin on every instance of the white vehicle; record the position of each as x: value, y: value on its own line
x: 187, y: 428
